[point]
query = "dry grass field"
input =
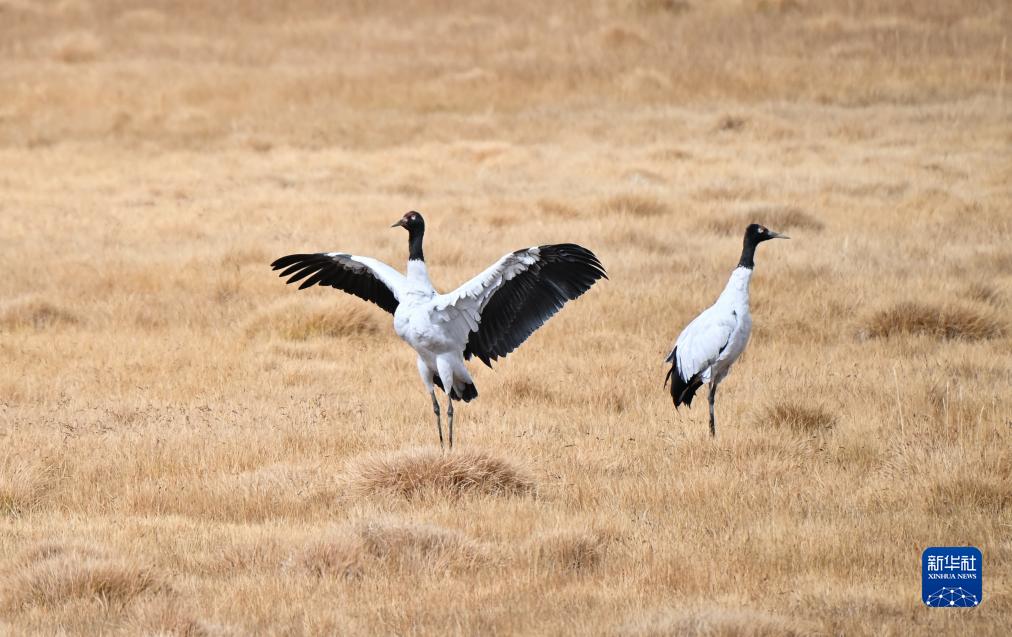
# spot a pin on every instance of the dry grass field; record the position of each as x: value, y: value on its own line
x: 189, y: 447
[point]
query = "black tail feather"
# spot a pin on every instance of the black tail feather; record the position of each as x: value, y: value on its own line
x: 682, y: 391
x: 470, y: 391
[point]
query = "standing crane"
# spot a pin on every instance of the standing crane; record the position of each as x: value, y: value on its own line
x: 708, y: 347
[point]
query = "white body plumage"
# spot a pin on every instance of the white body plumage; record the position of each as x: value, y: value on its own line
x: 714, y: 340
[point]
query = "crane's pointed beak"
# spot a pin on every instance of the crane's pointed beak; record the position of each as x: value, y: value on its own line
x: 777, y: 235
x: 399, y: 224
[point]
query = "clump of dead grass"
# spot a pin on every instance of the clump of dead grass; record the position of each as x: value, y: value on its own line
x: 34, y: 313
x: 709, y: 621
x: 634, y: 206
x: 416, y: 471
x: 999, y: 261
x: 304, y: 319
x: 559, y: 209
x: 778, y: 7
x: 411, y: 545
x: 339, y: 555
x: 984, y: 293
x: 622, y: 36
x: 672, y: 7
x: 944, y: 322
x: 52, y: 574
x: 170, y: 616
x: 351, y: 552
x: 23, y: 485
x: 800, y: 418
x: 77, y: 47
x: 571, y: 551
x: 731, y: 123
x: 954, y: 496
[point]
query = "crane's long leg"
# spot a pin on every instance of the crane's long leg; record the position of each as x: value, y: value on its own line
x: 439, y: 425
x: 710, y: 398
x: 449, y: 416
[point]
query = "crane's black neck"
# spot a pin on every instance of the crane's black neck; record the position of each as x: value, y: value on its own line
x: 415, y: 235
x: 747, y: 259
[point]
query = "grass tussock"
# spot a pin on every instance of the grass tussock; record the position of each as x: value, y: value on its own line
x: 23, y: 486
x: 731, y: 123
x: 651, y: 7
x: 341, y: 555
x: 53, y: 574
x: 800, y: 418
x: 386, y: 545
x: 635, y: 206
x: 413, y: 545
x: 78, y: 47
x: 557, y: 209
x: 703, y: 621
x: 170, y: 616
x: 573, y: 551
x: 417, y: 471
x: 303, y: 319
x: 984, y: 293
x: 34, y: 313
x: 944, y: 322
x: 997, y: 261
x: 950, y: 496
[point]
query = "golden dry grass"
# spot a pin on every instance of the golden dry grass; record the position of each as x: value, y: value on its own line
x: 940, y: 322
x: 425, y: 470
x: 51, y: 575
x: 190, y: 447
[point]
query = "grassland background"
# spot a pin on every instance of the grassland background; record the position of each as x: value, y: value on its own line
x: 189, y: 447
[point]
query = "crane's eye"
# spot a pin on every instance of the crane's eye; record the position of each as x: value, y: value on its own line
x: 762, y: 230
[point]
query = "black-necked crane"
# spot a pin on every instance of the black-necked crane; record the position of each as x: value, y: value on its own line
x: 487, y: 317
x: 708, y: 347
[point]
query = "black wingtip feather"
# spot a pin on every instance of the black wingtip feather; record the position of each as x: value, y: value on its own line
x: 563, y: 272
x: 339, y: 271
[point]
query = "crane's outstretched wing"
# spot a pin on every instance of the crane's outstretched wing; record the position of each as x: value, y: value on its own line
x: 698, y: 347
x: 366, y: 278
x: 515, y: 296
